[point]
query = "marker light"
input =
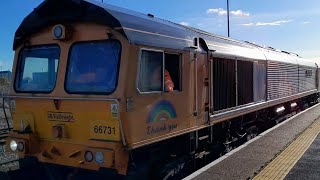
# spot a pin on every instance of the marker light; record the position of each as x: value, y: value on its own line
x: 99, y: 157
x: 280, y: 109
x: 58, y: 31
x: 88, y: 156
x: 13, y: 145
x: 20, y: 146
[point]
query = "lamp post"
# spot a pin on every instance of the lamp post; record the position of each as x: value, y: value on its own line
x: 228, y: 18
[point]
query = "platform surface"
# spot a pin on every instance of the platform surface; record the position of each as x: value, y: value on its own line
x: 308, y: 167
x: 300, y: 160
x: 253, y: 159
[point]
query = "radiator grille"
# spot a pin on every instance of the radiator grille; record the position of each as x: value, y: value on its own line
x: 283, y: 79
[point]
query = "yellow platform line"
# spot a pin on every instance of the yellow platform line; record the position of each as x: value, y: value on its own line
x: 284, y: 162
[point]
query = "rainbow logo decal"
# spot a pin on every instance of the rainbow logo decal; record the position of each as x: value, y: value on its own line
x: 162, y: 111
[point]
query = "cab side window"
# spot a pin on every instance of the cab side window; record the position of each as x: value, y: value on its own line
x: 173, y: 66
x: 159, y: 71
x: 150, y: 75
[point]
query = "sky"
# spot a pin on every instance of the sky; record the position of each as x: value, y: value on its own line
x: 290, y: 25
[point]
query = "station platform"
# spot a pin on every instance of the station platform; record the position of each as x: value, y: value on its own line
x: 289, y: 150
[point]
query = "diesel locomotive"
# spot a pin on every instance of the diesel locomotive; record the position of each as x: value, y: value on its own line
x: 89, y: 91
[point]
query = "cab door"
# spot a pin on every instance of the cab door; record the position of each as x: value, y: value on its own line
x: 201, y: 88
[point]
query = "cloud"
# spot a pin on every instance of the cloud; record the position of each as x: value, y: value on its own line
x: 306, y: 22
x: 184, y: 24
x: 275, y: 23
x: 222, y: 12
x: 248, y: 24
x: 240, y: 13
x: 218, y: 11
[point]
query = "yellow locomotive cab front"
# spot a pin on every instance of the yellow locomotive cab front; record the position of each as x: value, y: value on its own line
x: 65, y: 101
x: 67, y: 137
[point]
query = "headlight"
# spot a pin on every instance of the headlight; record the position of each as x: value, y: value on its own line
x: 99, y: 157
x: 13, y: 145
x: 280, y: 109
x: 88, y: 156
x: 20, y: 146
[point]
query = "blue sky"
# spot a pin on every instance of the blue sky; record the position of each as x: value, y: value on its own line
x: 291, y: 25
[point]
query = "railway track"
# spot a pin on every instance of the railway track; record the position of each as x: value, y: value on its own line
x: 8, y: 161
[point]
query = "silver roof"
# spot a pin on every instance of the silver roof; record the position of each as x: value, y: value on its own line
x: 139, y: 29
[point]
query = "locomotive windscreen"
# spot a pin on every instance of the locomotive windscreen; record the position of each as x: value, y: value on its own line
x: 37, y: 69
x: 93, y: 67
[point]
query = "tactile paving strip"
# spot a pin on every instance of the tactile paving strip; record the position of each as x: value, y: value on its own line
x: 284, y: 162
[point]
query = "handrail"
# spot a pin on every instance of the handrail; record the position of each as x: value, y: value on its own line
x: 5, y: 114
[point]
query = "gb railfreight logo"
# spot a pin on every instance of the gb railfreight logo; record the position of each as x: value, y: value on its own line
x: 60, y: 116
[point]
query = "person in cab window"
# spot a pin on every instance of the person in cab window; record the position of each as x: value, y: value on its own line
x: 168, y: 83
x: 82, y: 70
x: 93, y: 70
x: 83, y: 75
x: 156, y: 82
